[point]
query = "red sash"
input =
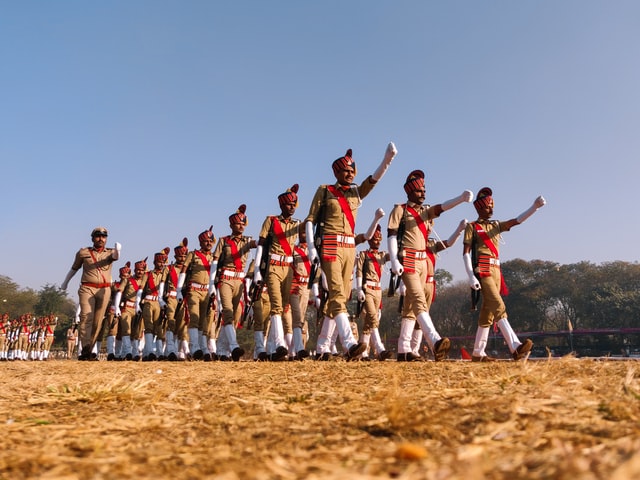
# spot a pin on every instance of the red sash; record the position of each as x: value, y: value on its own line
x: 421, y: 225
x: 376, y: 265
x: 204, y: 260
x: 280, y: 235
x: 235, y: 255
x: 133, y: 282
x: 152, y: 285
x: 432, y: 257
x: 344, y: 205
x: 305, y: 260
x: 489, y: 244
x: 174, y: 275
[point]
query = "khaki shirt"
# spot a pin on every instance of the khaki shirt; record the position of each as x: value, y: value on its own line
x: 223, y: 251
x: 369, y: 273
x: 493, y: 228
x: 128, y: 289
x: 335, y: 222
x: 196, y: 270
x: 289, y: 228
x: 158, y: 277
x: 98, y: 271
x: 413, y: 237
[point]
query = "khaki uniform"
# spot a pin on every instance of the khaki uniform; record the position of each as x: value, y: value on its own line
x: 337, y: 253
x: 487, y: 269
x: 280, y: 258
x: 72, y: 338
x: 94, y: 292
x: 366, y: 269
x: 412, y: 252
x: 198, y: 268
x: 231, y: 275
x: 175, y: 316
x: 151, y: 305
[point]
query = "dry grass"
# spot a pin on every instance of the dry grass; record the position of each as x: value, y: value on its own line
x: 564, y: 419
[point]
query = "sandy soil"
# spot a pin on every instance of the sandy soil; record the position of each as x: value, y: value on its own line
x: 562, y: 419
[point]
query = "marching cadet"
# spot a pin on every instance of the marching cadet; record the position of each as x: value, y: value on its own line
x: 260, y: 313
x: 72, y: 338
x: 333, y: 212
x: 227, y: 276
x: 4, y: 328
x: 407, y: 238
x: 368, y: 281
x: 24, y: 332
x: 111, y: 321
x: 95, y: 287
x: 296, y: 314
x: 482, y: 264
x: 433, y: 248
x: 151, y: 297
x: 126, y: 306
x: 195, y: 279
x: 176, y: 331
x: 274, y: 256
x: 49, y: 327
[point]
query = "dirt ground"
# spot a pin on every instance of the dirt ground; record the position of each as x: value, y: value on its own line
x: 562, y: 419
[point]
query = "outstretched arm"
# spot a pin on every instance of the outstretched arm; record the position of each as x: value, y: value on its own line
x: 389, y: 155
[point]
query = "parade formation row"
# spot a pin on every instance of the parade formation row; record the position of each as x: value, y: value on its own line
x: 191, y: 307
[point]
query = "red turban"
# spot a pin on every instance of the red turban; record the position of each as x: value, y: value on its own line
x: 162, y: 256
x: 141, y: 265
x: 291, y: 195
x: 344, y: 162
x: 207, y: 235
x: 126, y: 270
x: 483, y: 199
x: 182, y: 248
x: 239, y: 216
x: 415, y: 181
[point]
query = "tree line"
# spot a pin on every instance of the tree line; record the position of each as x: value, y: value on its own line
x: 544, y: 297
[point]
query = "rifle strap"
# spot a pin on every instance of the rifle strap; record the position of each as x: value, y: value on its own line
x: 484, y: 265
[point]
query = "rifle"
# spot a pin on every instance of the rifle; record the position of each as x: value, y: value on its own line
x: 317, y: 238
x: 394, y: 280
x: 360, y: 304
x: 400, y: 303
x: 475, y: 294
x: 255, y: 291
x: 136, y: 321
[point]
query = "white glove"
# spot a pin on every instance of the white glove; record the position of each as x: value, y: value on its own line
x: 138, y: 301
x: 116, y: 304
x: 456, y: 234
x: 313, y: 253
x: 212, y: 276
x: 257, y: 276
x: 538, y: 203
x: 116, y: 251
x: 465, y: 196
x: 361, y: 294
x: 65, y: 282
x: 181, y: 279
x: 389, y: 154
x: 374, y: 224
x: 161, y: 301
x: 402, y: 289
x: 396, y: 266
x: 473, y: 281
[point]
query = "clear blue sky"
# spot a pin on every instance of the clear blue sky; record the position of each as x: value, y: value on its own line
x: 159, y: 118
